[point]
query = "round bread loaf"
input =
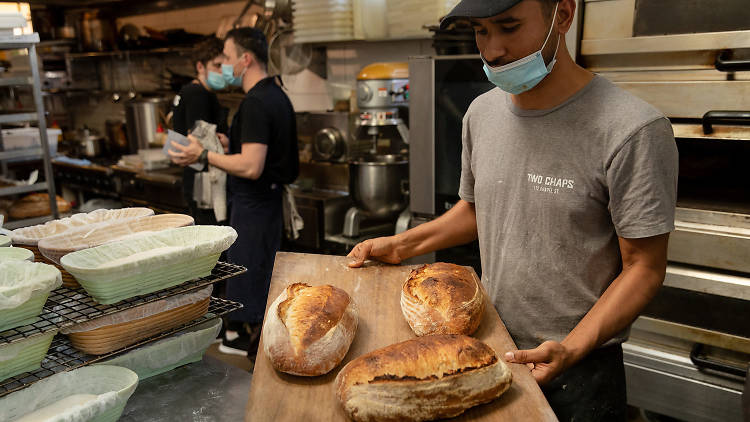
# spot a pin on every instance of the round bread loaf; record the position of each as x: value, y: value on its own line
x: 308, y: 329
x: 442, y: 298
x: 430, y: 377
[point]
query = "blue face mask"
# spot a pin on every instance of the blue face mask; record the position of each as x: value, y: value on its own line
x: 227, y: 71
x: 522, y: 74
x: 215, y: 81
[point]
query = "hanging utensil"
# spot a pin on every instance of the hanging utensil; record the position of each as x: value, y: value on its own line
x: 131, y: 93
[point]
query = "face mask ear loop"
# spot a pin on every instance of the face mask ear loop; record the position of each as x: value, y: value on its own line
x: 550, y: 30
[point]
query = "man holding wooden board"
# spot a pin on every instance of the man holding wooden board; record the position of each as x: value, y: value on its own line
x: 569, y: 183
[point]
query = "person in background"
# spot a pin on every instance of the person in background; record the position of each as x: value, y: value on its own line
x: 570, y: 185
x: 263, y: 156
x: 197, y: 101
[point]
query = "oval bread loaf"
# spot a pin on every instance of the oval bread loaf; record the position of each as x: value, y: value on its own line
x: 309, y: 329
x: 442, y: 298
x: 430, y: 377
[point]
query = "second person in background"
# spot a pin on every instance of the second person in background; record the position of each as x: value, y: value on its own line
x: 263, y: 156
x: 197, y: 101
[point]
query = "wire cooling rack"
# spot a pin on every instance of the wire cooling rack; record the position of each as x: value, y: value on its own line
x: 66, y: 307
x: 62, y: 356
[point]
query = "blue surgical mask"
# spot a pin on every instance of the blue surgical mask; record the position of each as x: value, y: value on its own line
x: 215, y: 81
x: 227, y: 71
x: 523, y: 74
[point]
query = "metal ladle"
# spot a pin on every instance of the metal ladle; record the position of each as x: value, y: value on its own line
x: 115, y: 94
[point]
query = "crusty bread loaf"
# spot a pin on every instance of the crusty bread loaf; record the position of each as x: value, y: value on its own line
x: 308, y: 330
x: 36, y: 205
x: 430, y: 377
x: 442, y: 298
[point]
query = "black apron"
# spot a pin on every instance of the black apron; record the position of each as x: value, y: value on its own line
x: 591, y: 390
x: 257, y: 217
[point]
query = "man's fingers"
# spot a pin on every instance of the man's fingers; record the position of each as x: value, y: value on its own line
x: 177, y: 145
x: 359, y: 254
x: 537, y: 355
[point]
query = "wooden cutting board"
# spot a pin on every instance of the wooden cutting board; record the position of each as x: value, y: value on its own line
x: 376, y: 289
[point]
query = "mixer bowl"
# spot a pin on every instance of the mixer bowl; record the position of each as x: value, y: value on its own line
x: 378, y: 185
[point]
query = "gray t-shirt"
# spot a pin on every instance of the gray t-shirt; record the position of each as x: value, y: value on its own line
x: 553, y: 189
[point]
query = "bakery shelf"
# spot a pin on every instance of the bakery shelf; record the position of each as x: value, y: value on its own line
x: 23, y: 189
x: 28, y: 42
x: 18, y: 118
x: 67, y: 307
x: 62, y: 356
x: 21, y: 153
x: 12, y: 42
x: 16, y: 81
x: 14, y: 224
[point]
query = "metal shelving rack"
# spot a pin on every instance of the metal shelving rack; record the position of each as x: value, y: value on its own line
x: 66, y: 307
x: 28, y: 42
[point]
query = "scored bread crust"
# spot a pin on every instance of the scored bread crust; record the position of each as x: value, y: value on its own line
x: 442, y: 298
x: 308, y: 329
x: 430, y: 377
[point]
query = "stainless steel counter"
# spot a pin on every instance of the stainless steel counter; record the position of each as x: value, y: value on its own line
x: 209, y: 390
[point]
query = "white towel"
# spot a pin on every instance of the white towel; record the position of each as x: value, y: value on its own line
x: 293, y: 222
x: 209, y: 190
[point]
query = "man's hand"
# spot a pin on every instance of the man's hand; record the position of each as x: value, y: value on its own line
x: 186, y: 155
x: 382, y: 248
x: 224, y: 142
x: 546, y: 361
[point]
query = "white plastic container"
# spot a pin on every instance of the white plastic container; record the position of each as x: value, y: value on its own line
x: 28, y: 138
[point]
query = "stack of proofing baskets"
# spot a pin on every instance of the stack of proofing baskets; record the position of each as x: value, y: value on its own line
x: 114, y: 255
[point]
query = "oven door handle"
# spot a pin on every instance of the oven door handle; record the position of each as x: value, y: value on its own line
x: 703, y: 362
x: 723, y: 62
x: 725, y: 117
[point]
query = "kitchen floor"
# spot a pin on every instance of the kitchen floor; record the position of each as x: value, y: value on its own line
x: 241, y: 362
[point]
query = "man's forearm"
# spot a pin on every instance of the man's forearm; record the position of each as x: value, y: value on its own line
x: 233, y: 164
x: 456, y: 227
x: 620, y: 304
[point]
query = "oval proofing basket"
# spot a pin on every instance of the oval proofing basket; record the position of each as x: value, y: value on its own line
x: 112, y: 337
x: 112, y: 385
x: 55, y: 247
x: 181, y: 349
x: 24, y: 288
x: 132, y: 267
x: 16, y: 254
x: 24, y: 355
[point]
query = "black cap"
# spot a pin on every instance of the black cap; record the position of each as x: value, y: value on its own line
x: 477, y: 9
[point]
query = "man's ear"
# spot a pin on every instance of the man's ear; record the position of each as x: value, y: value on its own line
x: 248, y: 58
x: 199, y: 68
x: 566, y: 12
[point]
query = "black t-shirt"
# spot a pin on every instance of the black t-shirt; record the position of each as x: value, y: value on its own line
x: 195, y: 102
x: 266, y: 116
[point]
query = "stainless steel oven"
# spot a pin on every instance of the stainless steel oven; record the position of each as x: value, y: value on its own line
x: 442, y: 88
x: 688, y: 353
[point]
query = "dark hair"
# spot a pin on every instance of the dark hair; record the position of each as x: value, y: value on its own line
x: 207, y: 50
x: 252, y: 40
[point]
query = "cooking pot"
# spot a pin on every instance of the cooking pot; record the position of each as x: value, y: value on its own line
x: 378, y: 185
x: 143, y: 116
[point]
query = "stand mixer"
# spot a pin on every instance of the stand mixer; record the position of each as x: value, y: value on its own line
x: 379, y: 172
